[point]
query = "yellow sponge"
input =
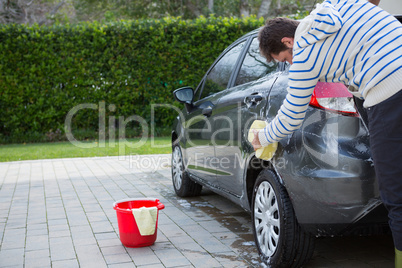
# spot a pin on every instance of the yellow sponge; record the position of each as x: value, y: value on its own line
x: 267, y: 152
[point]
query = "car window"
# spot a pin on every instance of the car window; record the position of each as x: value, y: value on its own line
x: 254, y: 66
x: 218, y: 78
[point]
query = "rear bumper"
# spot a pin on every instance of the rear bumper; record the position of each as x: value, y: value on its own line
x: 330, y: 177
x: 372, y: 223
x: 332, y: 198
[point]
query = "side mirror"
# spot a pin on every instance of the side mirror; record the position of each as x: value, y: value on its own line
x: 184, y: 95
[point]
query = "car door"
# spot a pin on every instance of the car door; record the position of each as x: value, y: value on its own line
x: 200, y: 151
x: 237, y: 109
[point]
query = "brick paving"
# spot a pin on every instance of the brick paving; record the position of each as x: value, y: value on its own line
x: 59, y: 213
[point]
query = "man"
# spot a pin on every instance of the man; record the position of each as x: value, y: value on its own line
x: 360, y: 45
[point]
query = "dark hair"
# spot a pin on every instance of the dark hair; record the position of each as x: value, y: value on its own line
x: 271, y: 34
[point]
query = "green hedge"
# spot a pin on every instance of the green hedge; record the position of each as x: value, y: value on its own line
x: 123, y: 67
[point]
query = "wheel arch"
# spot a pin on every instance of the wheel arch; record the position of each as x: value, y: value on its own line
x: 174, y: 138
x: 255, y: 166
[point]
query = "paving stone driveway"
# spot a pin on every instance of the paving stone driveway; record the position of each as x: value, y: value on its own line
x: 59, y: 213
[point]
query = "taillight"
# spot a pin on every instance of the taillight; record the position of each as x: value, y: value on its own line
x: 334, y: 97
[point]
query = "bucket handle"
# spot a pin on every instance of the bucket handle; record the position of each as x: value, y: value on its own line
x: 159, y: 205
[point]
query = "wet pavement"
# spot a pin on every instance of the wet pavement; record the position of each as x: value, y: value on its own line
x: 59, y: 213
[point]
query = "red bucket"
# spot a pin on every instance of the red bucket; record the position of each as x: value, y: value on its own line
x: 129, y: 233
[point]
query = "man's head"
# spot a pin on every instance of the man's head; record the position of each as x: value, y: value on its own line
x: 276, y: 39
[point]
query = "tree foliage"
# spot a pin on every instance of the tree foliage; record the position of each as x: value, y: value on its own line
x: 74, y: 11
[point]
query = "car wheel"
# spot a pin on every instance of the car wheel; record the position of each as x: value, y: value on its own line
x: 182, y: 184
x: 279, y: 239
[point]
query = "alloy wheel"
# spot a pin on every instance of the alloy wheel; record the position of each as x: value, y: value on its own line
x: 266, y: 219
x: 177, y: 167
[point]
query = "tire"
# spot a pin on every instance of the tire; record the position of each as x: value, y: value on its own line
x: 182, y: 183
x: 279, y: 238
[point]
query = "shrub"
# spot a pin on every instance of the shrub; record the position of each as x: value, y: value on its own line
x: 120, y: 69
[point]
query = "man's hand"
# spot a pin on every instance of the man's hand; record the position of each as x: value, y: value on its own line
x: 256, y: 141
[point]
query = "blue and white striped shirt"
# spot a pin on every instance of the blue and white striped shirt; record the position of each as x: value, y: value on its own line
x: 349, y: 41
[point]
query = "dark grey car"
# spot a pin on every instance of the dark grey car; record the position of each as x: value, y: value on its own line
x: 321, y: 180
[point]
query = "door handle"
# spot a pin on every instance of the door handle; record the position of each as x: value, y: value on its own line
x: 207, y: 111
x: 253, y: 99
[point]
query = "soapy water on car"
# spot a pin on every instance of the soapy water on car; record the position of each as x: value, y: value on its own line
x: 266, y: 152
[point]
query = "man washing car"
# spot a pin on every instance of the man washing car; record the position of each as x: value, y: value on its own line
x: 360, y: 45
